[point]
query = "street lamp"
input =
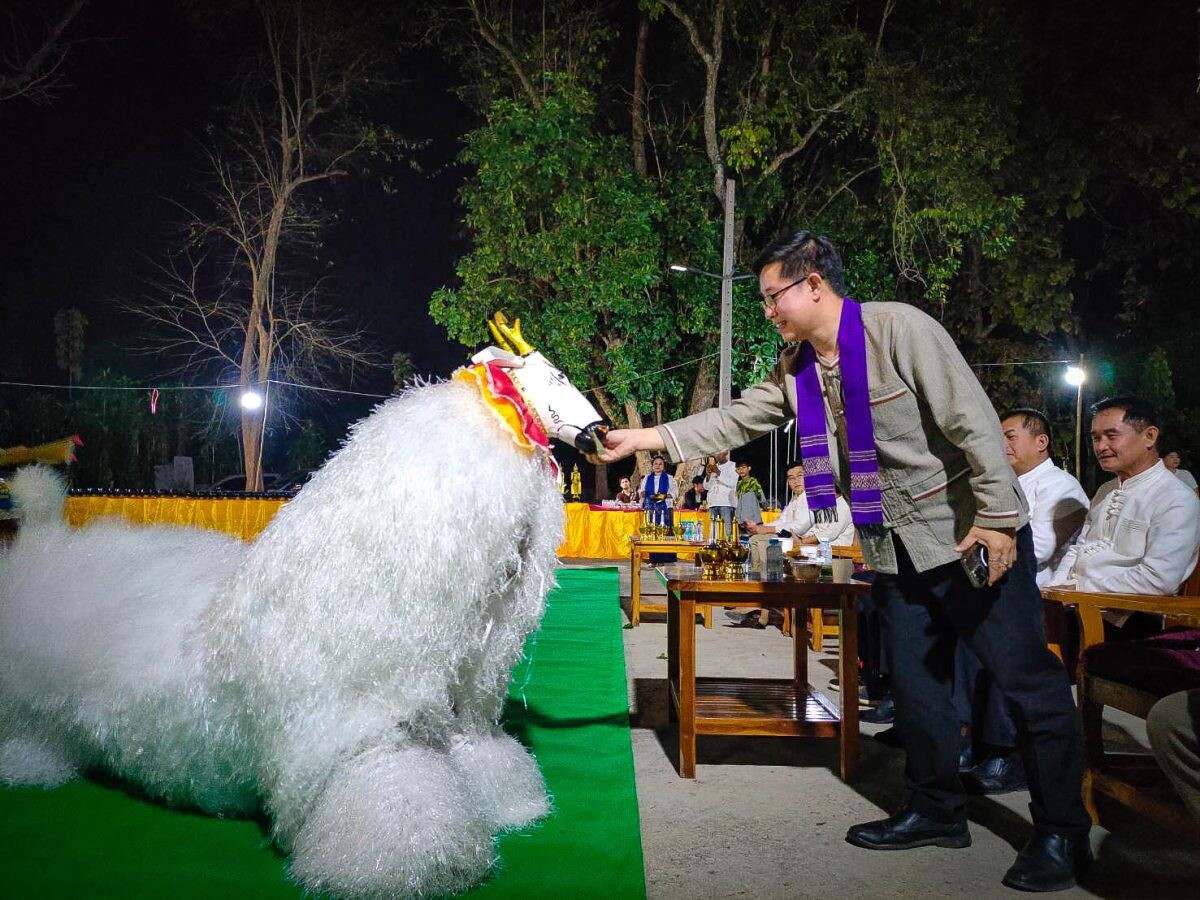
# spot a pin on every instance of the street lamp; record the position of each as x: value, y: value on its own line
x: 1075, y: 376
x: 251, y: 400
x: 725, y: 379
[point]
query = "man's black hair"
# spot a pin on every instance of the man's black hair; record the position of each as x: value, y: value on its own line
x: 803, y: 253
x: 698, y: 479
x: 1139, y: 415
x: 794, y: 464
x: 1033, y: 420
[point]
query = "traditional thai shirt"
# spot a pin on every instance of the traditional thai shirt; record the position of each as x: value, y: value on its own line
x: 941, y: 455
x: 1141, y: 536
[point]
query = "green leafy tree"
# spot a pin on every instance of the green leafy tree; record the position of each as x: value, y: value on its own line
x: 571, y: 240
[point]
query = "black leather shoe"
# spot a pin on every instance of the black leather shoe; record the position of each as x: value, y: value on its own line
x: 997, y: 775
x: 906, y: 830
x: 1049, y: 862
x: 890, y: 736
x: 883, y: 714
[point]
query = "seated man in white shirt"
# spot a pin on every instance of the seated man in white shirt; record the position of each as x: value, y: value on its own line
x: 796, y: 522
x: 1057, y: 507
x: 1058, y: 503
x: 1142, y: 533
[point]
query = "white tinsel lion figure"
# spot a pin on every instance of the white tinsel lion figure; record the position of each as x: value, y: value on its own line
x: 345, y: 671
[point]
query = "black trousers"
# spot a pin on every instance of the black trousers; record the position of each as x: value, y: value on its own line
x: 981, y: 706
x: 926, y: 614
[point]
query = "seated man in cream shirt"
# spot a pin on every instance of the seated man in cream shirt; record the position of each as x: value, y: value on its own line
x: 797, y: 520
x: 1142, y: 532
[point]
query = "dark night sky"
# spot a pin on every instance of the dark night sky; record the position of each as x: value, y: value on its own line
x: 86, y: 198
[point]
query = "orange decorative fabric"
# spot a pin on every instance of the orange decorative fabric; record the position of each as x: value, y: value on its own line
x: 503, y: 399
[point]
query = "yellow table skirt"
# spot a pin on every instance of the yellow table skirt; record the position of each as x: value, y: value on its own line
x: 243, y: 517
x: 605, y: 534
x: 590, y: 534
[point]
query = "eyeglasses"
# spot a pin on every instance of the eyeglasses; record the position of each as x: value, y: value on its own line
x: 770, y: 300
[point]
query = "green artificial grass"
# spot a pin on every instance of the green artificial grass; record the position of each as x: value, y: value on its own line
x: 567, y: 703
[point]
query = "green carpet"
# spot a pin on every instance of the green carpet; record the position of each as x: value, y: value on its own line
x: 567, y: 703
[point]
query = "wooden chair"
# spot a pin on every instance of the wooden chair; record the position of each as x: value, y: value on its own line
x: 823, y: 623
x: 1125, y: 777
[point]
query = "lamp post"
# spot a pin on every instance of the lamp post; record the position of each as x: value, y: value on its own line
x: 1075, y: 376
x: 725, y: 380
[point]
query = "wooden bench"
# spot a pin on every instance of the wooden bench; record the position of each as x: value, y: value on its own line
x: 1124, y: 777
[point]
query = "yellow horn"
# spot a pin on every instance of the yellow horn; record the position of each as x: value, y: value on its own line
x: 498, y: 337
x: 509, y: 336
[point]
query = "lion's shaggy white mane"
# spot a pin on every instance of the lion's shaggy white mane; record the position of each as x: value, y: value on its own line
x: 343, y: 673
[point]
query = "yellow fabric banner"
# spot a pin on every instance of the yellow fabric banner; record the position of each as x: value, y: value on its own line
x: 590, y: 534
x: 243, y: 517
x: 605, y: 534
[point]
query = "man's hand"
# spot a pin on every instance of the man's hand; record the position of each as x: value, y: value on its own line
x: 1001, y: 546
x: 751, y: 528
x: 622, y: 442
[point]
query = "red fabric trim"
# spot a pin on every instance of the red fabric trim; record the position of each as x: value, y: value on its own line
x: 504, y: 388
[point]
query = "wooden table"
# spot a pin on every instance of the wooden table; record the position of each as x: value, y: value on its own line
x: 641, y: 548
x: 756, y: 706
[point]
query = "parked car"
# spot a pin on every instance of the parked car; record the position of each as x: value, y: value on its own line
x: 293, y: 481
x: 236, y: 484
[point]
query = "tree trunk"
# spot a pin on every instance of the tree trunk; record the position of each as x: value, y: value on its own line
x: 638, y: 108
x: 601, y: 492
x: 252, y: 450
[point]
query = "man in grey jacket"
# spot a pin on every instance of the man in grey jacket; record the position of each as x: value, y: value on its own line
x: 916, y: 445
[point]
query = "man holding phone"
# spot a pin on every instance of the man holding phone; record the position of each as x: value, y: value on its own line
x: 885, y: 403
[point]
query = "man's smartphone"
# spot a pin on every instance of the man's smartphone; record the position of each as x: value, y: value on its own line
x: 975, y: 564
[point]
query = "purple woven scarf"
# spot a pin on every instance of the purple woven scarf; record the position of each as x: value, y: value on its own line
x: 866, y: 503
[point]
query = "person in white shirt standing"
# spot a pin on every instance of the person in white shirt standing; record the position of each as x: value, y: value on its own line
x: 721, y: 482
x: 1142, y: 533
x: 1058, y: 505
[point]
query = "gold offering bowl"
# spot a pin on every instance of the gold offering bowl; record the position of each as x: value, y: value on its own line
x: 710, y: 559
x: 735, y: 555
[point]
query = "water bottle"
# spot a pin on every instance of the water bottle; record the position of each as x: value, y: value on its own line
x: 774, y: 559
x: 825, y: 556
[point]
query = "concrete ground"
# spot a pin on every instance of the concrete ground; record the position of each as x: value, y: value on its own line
x: 767, y: 817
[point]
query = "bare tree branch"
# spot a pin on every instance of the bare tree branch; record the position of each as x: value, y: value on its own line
x: 711, y: 57
x: 488, y: 33
x: 816, y: 126
x: 36, y: 72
